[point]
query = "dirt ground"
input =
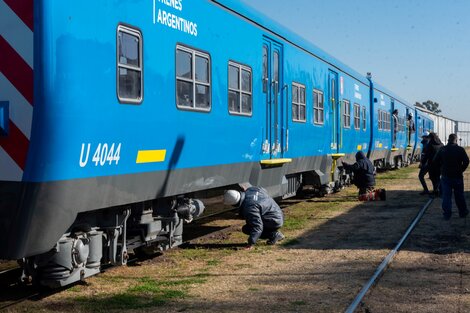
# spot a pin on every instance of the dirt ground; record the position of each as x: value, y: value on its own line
x: 333, y: 246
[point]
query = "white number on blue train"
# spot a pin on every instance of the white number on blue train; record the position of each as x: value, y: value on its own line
x: 104, y: 154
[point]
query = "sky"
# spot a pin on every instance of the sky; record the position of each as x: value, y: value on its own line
x: 419, y: 49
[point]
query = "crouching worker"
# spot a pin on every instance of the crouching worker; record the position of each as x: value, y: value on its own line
x: 262, y: 214
x: 364, y: 179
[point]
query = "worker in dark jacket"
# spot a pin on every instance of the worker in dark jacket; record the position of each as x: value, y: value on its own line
x: 453, y: 161
x: 410, y: 123
x: 363, y: 171
x: 395, y: 127
x: 433, y: 146
x: 262, y: 214
x: 423, y: 165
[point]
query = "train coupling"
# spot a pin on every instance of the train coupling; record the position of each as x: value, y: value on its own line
x: 188, y: 209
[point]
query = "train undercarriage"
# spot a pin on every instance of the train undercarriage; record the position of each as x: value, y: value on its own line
x: 108, y: 237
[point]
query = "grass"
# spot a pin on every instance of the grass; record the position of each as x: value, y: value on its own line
x: 213, y: 262
x: 402, y: 173
x: 290, y: 242
x: 195, y: 254
x: 145, y: 293
x: 294, y: 223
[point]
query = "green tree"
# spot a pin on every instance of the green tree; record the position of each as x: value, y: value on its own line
x: 430, y: 106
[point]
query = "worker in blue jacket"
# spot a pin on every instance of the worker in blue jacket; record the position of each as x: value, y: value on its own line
x: 262, y: 214
x: 363, y: 171
x: 364, y: 178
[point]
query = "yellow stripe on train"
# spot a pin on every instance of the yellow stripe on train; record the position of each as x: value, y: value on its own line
x: 150, y: 156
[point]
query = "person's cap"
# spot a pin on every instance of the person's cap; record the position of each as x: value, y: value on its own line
x: 410, y: 114
x: 231, y: 197
x: 425, y: 134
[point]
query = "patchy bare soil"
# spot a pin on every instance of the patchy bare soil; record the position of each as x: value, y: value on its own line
x: 333, y: 246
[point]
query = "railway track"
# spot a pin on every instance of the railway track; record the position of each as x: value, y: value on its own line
x: 386, y: 262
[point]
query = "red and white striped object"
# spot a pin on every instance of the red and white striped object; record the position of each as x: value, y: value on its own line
x: 16, y: 84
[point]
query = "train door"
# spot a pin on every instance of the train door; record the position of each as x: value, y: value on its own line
x: 275, y: 142
x: 335, y: 112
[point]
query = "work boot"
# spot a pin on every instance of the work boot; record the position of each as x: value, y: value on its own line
x: 278, y: 236
x: 424, y: 192
x: 383, y: 195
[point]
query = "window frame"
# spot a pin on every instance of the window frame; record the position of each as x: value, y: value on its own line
x: 346, y: 117
x: 364, y: 118
x: 318, y: 109
x: 133, y: 31
x: 358, y: 117
x: 401, y: 123
x: 240, y: 91
x: 380, y: 120
x: 194, y: 53
x: 388, y: 117
x: 299, y: 104
x: 265, y: 71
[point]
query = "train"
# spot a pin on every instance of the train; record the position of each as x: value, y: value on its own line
x: 117, y: 118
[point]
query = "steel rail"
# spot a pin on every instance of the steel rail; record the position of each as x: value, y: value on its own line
x: 353, y: 306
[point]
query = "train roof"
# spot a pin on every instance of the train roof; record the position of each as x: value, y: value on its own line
x: 262, y: 21
x: 392, y: 95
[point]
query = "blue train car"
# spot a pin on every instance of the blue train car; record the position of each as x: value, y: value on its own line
x: 392, y: 146
x: 117, y: 118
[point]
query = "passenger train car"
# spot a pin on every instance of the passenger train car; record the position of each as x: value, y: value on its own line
x: 116, y: 117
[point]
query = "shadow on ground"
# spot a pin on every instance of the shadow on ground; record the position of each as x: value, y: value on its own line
x: 381, y: 224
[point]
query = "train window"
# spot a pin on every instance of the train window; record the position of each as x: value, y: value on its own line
x: 318, y: 107
x: 357, y: 116
x: 239, y: 89
x: 265, y: 68
x: 298, y: 103
x: 364, y: 119
x: 380, y: 119
x: 388, y: 117
x: 276, y: 66
x: 129, y: 65
x: 193, y: 81
x: 401, y: 124
x: 384, y: 121
x: 346, y: 114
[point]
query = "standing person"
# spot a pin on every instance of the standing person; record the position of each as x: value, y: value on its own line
x: 423, y: 165
x: 453, y: 161
x: 263, y: 216
x: 364, y: 179
x: 395, y: 127
x: 433, y: 146
x: 411, y: 127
